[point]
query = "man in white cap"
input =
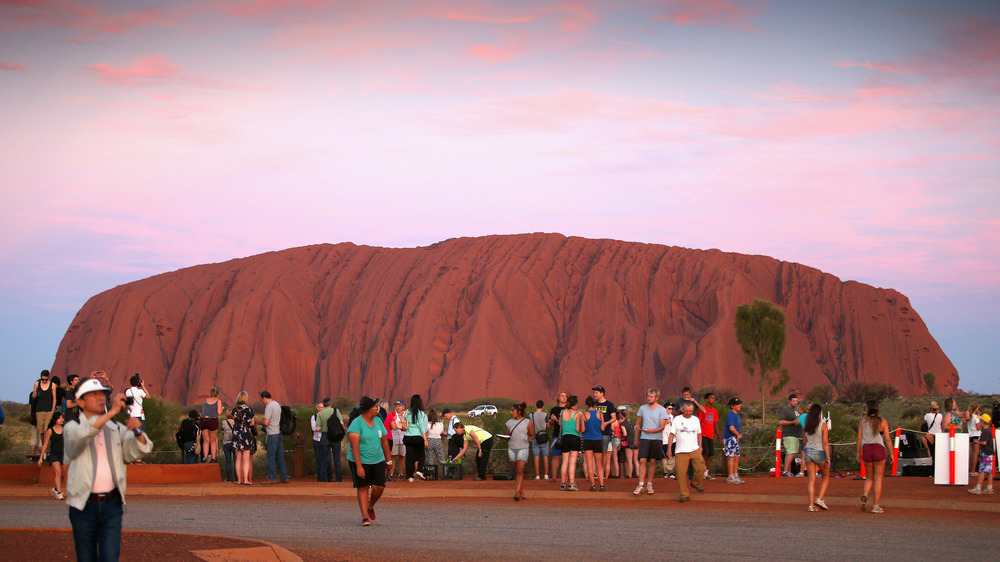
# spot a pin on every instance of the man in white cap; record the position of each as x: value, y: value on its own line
x: 96, y: 450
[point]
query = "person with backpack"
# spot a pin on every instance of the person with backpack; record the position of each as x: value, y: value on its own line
x: 275, y: 442
x: 331, y: 426
x: 540, y: 445
x: 189, y: 437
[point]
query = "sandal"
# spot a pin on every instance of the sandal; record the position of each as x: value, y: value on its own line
x: 366, y: 522
x: 371, y: 513
x: 864, y: 501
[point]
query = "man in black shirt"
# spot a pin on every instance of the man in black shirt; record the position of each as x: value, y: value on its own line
x: 606, y: 408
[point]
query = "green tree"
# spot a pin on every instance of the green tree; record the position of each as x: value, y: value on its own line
x: 929, y: 382
x: 760, y: 329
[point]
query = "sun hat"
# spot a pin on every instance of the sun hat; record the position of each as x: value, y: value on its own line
x: 90, y: 385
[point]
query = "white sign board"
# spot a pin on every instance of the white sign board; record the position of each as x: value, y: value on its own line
x: 942, y: 459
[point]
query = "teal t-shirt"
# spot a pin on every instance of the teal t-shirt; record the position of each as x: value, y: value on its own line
x: 370, y: 444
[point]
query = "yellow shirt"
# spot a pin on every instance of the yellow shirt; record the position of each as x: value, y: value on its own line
x: 481, y: 433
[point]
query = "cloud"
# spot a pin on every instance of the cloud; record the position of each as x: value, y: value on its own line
x: 570, y: 15
x: 727, y: 13
x: 493, y: 52
x: 145, y: 72
x: 11, y: 66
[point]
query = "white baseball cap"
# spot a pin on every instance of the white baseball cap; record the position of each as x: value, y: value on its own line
x: 90, y: 385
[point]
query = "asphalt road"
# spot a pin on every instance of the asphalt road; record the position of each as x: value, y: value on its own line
x: 328, y: 528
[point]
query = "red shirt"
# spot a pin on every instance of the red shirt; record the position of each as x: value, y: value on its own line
x: 708, y: 419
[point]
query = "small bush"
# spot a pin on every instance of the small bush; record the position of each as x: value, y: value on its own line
x: 822, y: 394
x: 862, y: 391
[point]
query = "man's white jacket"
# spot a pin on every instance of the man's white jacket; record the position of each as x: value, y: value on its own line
x: 80, y: 454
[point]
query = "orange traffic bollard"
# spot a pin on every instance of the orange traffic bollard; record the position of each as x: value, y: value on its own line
x: 895, y: 452
x: 951, y: 455
x: 777, y: 454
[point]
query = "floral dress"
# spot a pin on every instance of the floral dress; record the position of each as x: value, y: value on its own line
x: 243, y: 439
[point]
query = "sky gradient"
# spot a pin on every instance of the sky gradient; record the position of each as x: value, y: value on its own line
x: 861, y: 138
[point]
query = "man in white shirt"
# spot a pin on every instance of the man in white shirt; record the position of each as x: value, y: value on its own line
x: 137, y: 392
x: 96, y: 450
x: 686, y: 432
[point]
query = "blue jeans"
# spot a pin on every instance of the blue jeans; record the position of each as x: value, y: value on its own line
x: 189, y: 458
x: 97, y: 530
x: 276, y: 457
x: 322, y: 448
x: 335, y: 455
x: 227, y: 449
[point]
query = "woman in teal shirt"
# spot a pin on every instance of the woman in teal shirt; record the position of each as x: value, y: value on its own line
x: 415, y: 438
x: 367, y: 452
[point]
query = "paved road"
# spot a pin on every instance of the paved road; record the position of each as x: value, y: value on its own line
x: 328, y: 528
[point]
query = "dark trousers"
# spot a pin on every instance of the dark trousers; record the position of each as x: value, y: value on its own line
x: 189, y: 458
x: 483, y: 460
x: 322, y: 452
x: 454, y: 445
x: 338, y: 472
x: 414, y: 454
x: 227, y: 450
x: 97, y: 530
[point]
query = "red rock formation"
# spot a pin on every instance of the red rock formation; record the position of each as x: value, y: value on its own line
x: 518, y: 316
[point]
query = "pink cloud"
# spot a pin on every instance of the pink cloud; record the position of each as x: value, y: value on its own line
x: 571, y: 15
x: 144, y: 72
x: 885, y: 67
x: 788, y: 91
x: 11, y: 66
x: 492, y: 52
x: 730, y: 13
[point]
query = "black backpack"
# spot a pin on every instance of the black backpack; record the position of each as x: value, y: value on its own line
x: 334, y: 428
x: 179, y: 436
x: 288, y: 420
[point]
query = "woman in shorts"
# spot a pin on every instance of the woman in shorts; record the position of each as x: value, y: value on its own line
x: 817, y: 456
x: 367, y: 454
x: 520, y: 430
x: 52, y: 441
x: 592, y: 445
x: 209, y: 426
x: 571, y: 423
x: 873, y: 443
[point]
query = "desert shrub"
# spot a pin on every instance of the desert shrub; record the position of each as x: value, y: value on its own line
x: 722, y: 395
x: 862, y: 391
x: 822, y: 394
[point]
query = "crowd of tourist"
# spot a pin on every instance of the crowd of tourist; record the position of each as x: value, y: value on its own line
x: 406, y: 442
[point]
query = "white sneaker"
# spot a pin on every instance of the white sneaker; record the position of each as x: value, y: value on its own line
x: 539, y: 477
x: 649, y: 488
x: 546, y: 476
x: 976, y: 490
x: 409, y: 480
x: 638, y: 489
x: 419, y: 475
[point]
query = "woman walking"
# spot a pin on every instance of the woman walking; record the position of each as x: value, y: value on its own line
x: 817, y: 456
x: 435, y: 446
x: 571, y: 424
x: 244, y: 442
x: 367, y: 457
x: 872, y: 431
x: 592, y: 463
x: 209, y: 425
x: 415, y: 438
x: 520, y: 431
x: 53, y: 442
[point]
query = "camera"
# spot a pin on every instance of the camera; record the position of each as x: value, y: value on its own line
x: 129, y: 401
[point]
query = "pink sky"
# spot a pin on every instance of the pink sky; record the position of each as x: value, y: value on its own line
x: 859, y: 138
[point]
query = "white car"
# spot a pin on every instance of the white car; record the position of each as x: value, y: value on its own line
x: 489, y: 410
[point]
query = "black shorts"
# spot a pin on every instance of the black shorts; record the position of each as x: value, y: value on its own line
x: 569, y: 443
x: 707, y: 446
x: 592, y: 445
x: 374, y: 474
x: 650, y: 449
